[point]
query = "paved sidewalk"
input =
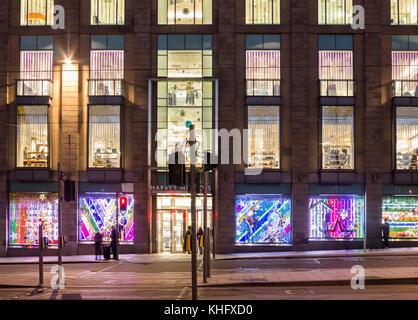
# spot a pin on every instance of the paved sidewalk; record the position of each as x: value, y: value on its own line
x: 320, y: 254
x: 328, y: 277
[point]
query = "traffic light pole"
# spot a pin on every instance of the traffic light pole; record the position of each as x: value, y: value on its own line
x: 205, y: 226
x: 192, y: 142
x: 41, y: 254
x: 59, y: 220
x: 117, y: 223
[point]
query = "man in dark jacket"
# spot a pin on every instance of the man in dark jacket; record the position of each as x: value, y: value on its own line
x: 98, y: 239
x: 113, y: 239
x: 386, y: 232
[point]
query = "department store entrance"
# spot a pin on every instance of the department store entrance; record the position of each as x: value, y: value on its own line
x: 173, y: 218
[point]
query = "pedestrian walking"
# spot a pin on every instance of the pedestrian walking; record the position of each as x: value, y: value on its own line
x: 386, y: 232
x: 187, y: 245
x: 98, y: 239
x: 113, y: 239
x: 200, y: 239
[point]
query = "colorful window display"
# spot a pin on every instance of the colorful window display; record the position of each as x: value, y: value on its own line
x: 98, y: 214
x: 263, y: 220
x: 336, y: 217
x: 406, y: 138
x: 36, y: 12
x: 26, y: 211
x: 402, y: 215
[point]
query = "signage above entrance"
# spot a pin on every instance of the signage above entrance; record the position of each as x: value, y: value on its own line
x: 167, y: 188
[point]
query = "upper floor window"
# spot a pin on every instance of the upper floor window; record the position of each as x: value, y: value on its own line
x: 184, y: 11
x: 184, y: 56
x: 106, y: 65
x: 405, y: 65
x: 262, y: 11
x: 36, y: 66
x: 336, y: 65
x: 36, y: 12
x: 107, y: 12
x: 263, y: 65
x: 407, y: 138
x: 404, y: 12
x: 32, y: 136
x: 337, y: 138
x: 335, y: 11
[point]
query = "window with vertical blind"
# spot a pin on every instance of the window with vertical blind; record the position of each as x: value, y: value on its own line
x: 405, y: 65
x: 32, y: 147
x: 111, y: 12
x: 263, y: 137
x: 404, y: 12
x: 263, y: 65
x: 407, y: 138
x: 104, y: 136
x: 106, y: 65
x: 337, y: 138
x: 184, y: 11
x: 36, y: 12
x: 336, y: 65
x: 262, y: 11
x: 335, y: 11
x: 36, y: 66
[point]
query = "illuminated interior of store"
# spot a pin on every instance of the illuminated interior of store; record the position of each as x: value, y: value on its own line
x: 335, y: 11
x: 104, y: 136
x: 336, y: 65
x: 337, y: 138
x: 264, y: 137
x: 36, y: 12
x: 407, y: 138
x: 107, y: 12
x: 404, y: 11
x: 32, y: 136
x: 263, y: 67
x: 405, y: 67
x: 262, y: 11
x: 173, y: 218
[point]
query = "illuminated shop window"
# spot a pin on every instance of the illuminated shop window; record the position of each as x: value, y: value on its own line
x: 179, y: 102
x: 402, y: 215
x: 337, y: 138
x: 36, y: 12
x: 184, y: 56
x: 263, y: 65
x: 336, y: 217
x: 335, y: 11
x: 264, y: 137
x: 263, y: 219
x: 262, y: 11
x: 405, y: 65
x: 336, y: 65
x: 107, y: 12
x: 404, y: 12
x: 407, y: 138
x: 184, y: 11
x: 104, y: 136
x: 97, y: 213
x: 106, y: 65
x: 36, y: 66
x: 32, y: 136
x: 26, y: 211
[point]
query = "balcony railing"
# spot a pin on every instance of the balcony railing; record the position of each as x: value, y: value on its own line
x: 405, y: 88
x: 263, y: 88
x: 105, y: 87
x: 36, y: 87
x: 337, y: 88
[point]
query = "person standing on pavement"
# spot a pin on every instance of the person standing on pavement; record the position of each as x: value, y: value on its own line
x: 113, y: 239
x: 187, y: 245
x: 200, y: 239
x: 386, y: 232
x: 98, y: 239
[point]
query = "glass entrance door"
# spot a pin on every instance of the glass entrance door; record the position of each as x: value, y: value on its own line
x: 172, y: 230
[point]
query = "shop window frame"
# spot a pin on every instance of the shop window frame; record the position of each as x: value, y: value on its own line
x: 92, y: 23
x: 48, y: 19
